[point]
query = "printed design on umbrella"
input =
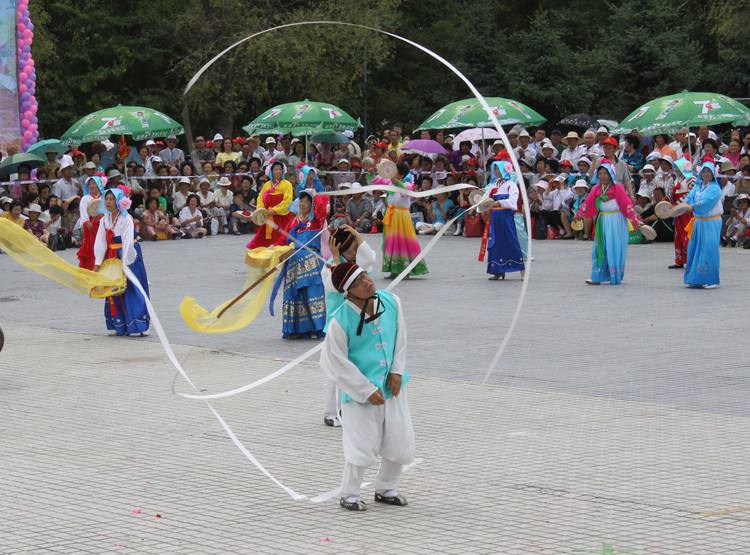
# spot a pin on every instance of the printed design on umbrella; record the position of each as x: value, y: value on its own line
x: 333, y: 113
x: 667, y: 108
x: 301, y: 110
x: 460, y: 111
x: 640, y: 113
x: 141, y: 117
x: 499, y: 111
x: 707, y: 105
x: 164, y: 117
x: 520, y: 107
x: 272, y: 113
x: 111, y: 122
x: 436, y: 115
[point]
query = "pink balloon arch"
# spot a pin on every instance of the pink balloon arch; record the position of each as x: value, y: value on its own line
x: 27, y: 105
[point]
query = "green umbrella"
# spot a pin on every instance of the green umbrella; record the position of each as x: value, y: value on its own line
x: 687, y: 109
x: 139, y: 122
x: 470, y: 113
x: 300, y: 118
x: 11, y: 164
x: 48, y: 145
x: 330, y: 138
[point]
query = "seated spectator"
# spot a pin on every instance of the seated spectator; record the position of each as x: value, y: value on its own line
x: 34, y: 225
x: 438, y: 213
x: 378, y: 210
x: 569, y: 209
x: 737, y: 225
x: 215, y: 216
x: 642, y: 201
x: 247, y: 188
x: 240, y: 215
x: 191, y: 219
x: 14, y: 213
x: 339, y: 212
x: 179, y: 199
x: 648, y: 176
x: 155, y: 224
x: 664, y: 228
x: 359, y: 211
x: 223, y: 199
x: 59, y: 237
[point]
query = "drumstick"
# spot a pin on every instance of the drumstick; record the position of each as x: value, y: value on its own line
x: 282, y: 260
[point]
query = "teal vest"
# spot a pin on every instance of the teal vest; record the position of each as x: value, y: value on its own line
x: 371, y: 352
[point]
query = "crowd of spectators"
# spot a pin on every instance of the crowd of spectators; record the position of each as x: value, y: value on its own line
x: 211, y: 188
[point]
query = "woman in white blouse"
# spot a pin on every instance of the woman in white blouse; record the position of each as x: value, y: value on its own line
x: 191, y: 219
x: 125, y: 314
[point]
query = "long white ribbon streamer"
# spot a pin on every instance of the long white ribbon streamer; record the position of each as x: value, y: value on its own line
x: 430, y: 245
x: 402, y: 190
x: 309, y: 353
x: 477, y: 95
x: 176, y: 363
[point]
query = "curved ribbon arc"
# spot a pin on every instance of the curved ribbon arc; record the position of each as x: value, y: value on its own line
x: 176, y: 363
x: 402, y: 190
x: 310, y: 352
x: 514, y: 162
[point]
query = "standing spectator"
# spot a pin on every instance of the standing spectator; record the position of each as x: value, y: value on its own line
x: 394, y: 142
x: 52, y: 164
x: 271, y: 151
x: 573, y: 150
x: 172, y: 155
x: 200, y: 154
x: 148, y: 163
x: 227, y: 154
x: 633, y: 158
x: 66, y: 188
x: 680, y: 143
x: 524, y: 149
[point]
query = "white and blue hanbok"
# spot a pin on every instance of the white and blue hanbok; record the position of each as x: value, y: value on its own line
x: 704, y: 231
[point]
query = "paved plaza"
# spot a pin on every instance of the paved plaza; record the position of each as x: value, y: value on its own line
x: 617, y: 422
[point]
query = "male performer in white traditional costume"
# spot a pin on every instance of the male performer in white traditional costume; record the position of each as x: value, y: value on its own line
x: 346, y: 245
x: 365, y: 353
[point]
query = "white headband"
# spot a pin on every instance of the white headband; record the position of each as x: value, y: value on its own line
x: 355, y: 275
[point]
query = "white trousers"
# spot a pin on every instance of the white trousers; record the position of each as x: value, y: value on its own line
x: 370, y: 432
x: 332, y: 404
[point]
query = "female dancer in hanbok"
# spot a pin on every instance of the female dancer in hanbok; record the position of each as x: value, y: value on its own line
x: 304, y: 308
x: 92, y: 192
x: 610, y: 204
x: 400, y: 244
x: 704, y: 230
x: 500, y: 240
x: 685, y: 182
x: 276, y: 197
x: 125, y: 314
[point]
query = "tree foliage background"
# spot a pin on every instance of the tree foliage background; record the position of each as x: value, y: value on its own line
x: 601, y: 57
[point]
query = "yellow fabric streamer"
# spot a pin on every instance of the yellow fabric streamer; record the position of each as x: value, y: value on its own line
x: 259, y: 262
x: 29, y: 252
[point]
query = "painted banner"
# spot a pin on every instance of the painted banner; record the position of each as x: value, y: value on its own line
x: 10, y: 121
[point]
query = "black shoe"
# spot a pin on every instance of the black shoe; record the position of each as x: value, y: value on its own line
x: 675, y: 266
x: 399, y: 500
x: 723, y: 241
x: 357, y: 505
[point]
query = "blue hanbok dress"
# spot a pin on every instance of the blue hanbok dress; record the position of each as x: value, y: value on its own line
x: 124, y: 314
x: 304, y: 305
x: 704, y: 232
x: 504, y: 253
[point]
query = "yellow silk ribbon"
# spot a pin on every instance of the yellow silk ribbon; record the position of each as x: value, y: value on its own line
x: 29, y: 252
